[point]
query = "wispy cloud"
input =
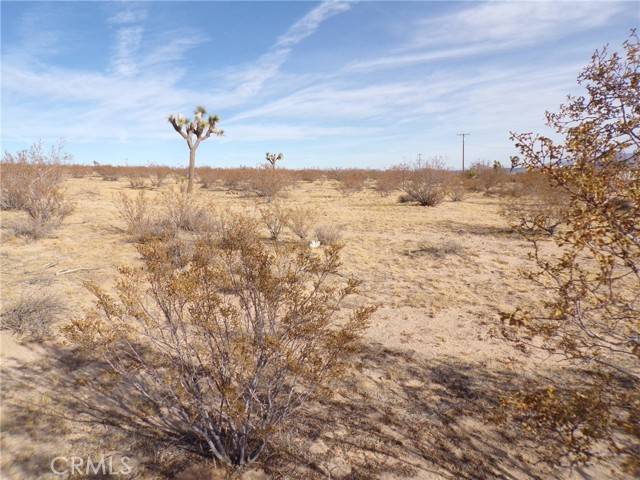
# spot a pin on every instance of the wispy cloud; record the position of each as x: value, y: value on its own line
x: 489, y: 28
x: 252, y: 78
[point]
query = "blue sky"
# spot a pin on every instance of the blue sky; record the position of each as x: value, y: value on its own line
x: 333, y: 84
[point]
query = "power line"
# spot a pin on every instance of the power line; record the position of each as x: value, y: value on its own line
x: 463, y: 135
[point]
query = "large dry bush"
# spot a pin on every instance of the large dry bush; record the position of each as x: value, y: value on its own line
x: 108, y: 173
x: 275, y: 217
x: 184, y: 211
x: 350, y: 181
x: 174, y: 210
x: 425, y: 182
x: 389, y: 181
x: 31, y: 181
x: 590, y: 315
x: 142, y: 219
x: 486, y: 177
x: 533, y: 204
x: 217, y: 356
x: 268, y: 182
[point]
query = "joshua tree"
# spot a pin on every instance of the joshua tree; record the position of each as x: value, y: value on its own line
x: 272, y: 158
x: 195, y: 131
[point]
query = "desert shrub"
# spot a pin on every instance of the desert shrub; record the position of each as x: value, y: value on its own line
x: 158, y: 175
x: 425, y: 182
x: 440, y: 249
x: 137, y: 182
x: 309, y: 174
x: 538, y: 206
x: 299, y: 221
x: 32, y: 316
x: 275, y: 217
x: 217, y: 357
x: 486, y: 176
x: 27, y: 170
x: 184, y: 211
x: 350, y: 181
x: 108, y: 173
x: 591, y: 309
x: 31, y: 181
x: 328, y: 234
x: 208, y: 177
x: 388, y: 181
x: 142, y: 221
x: 78, y: 171
x: 456, y: 190
x: 268, y: 182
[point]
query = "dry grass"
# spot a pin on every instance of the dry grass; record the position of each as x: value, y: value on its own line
x: 32, y: 315
x: 328, y: 234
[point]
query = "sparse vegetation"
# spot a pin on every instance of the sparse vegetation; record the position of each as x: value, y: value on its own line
x: 328, y: 234
x: 591, y: 314
x: 32, y: 182
x: 299, y: 221
x: 227, y: 349
x: 425, y: 182
x: 275, y: 217
x: 32, y: 315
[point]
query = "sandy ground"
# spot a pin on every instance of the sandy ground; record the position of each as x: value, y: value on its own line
x: 431, y: 368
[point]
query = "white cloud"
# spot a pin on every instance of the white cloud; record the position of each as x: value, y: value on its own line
x: 252, y: 78
x: 490, y: 27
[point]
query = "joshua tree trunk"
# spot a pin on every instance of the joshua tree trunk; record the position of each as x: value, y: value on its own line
x: 195, y: 131
x: 192, y: 168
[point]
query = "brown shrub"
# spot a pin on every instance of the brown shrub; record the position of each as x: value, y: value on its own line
x: 226, y: 349
x: 456, y: 189
x: 426, y: 182
x: 158, y: 175
x: 31, y: 181
x: 269, y: 182
x: 328, y: 234
x: 486, y: 177
x: 184, y: 211
x: 32, y: 316
x: 350, y: 180
x: 142, y: 221
x: 389, y: 181
x: 108, y: 173
x: 137, y: 182
x: 591, y: 309
x: 300, y: 221
x: 275, y: 217
x: 535, y: 205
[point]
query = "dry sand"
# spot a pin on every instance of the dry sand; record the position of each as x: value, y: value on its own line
x: 431, y: 368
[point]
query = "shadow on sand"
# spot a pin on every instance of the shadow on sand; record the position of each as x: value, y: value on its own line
x: 396, y: 415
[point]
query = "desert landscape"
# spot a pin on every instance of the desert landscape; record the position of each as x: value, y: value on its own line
x: 421, y: 399
x: 331, y: 311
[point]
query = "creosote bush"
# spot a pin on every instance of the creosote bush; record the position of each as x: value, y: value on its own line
x: 268, y: 181
x: 217, y: 356
x: 275, y: 217
x: 31, y: 181
x: 299, y: 221
x: 590, y: 316
x: 425, y: 182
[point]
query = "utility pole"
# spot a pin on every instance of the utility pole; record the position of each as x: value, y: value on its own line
x: 463, y: 135
x: 419, y: 158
